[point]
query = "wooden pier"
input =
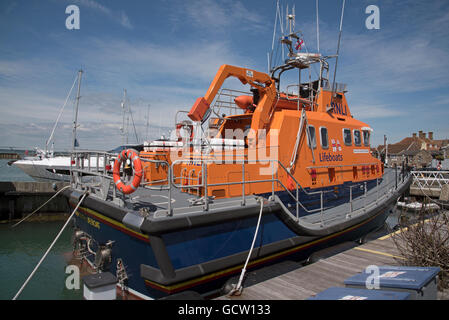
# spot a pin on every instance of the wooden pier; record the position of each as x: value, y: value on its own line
x: 304, y: 282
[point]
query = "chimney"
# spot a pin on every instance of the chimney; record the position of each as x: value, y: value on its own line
x: 414, y: 135
x: 430, y: 135
x: 422, y: 135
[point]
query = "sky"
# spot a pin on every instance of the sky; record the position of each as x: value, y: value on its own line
x: 165, y: 54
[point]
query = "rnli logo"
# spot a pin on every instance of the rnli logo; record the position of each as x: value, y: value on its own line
x: 339, y: 108
x: 336, y: 145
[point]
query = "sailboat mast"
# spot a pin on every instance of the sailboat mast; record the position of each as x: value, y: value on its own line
x: 75, y: 121
x: 317, y: 28
x: 148, y: 122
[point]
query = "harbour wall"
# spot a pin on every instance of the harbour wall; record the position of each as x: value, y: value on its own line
x: 20, y: 198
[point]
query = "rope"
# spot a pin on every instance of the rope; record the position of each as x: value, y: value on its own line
x: 237, y: 290
x: 59, y: 115
x: 49, y: 248
x: 40, y: 207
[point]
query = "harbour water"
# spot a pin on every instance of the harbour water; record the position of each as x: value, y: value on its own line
x: 12, y: 173
x: 22, y: 247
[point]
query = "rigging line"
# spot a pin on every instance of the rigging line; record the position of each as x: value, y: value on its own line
x: 60, y: 113
x: 134, y: 126
x: 15, y: 225
x: 49, y: 248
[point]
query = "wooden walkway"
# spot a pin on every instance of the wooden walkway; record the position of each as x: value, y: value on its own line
x: 307, y: 281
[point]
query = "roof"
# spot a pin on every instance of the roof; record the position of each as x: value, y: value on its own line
x: 412, y: 145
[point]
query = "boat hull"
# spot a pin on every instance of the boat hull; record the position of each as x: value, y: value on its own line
x: 203, y: 258
x: 41, y: 171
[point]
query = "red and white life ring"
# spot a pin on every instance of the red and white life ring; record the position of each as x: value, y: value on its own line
x: 137, y: 177
x: 186, y: 127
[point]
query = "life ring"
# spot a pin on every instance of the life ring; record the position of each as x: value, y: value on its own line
x: 134, y: 157
x: 185, y: 126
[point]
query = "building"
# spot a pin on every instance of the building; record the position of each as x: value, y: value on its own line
x: 417, y: 150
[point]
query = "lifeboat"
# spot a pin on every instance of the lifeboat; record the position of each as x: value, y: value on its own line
x: 280, y: 176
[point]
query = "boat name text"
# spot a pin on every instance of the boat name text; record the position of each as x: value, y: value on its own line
x: 330, y: 157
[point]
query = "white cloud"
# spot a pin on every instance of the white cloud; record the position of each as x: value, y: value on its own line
x: 142, y: 62
x: 219, y: 15
x: 365, y: 111
x: 119, y: 16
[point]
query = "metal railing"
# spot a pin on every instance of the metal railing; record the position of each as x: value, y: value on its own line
x: 427, y: 179
x: 225, y: 99
x: 200, y: 181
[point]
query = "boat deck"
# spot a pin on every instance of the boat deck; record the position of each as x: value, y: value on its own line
x: 153, y: 203
x: 358, y: 205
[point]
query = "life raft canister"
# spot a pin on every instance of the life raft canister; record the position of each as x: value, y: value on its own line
x: 137, y: 177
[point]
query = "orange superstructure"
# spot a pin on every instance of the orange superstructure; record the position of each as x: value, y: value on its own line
x: 312, y: 136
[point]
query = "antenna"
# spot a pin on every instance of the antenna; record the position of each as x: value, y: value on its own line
x: 270, y: 57
x: 317, y: 28
x: 334, y: 86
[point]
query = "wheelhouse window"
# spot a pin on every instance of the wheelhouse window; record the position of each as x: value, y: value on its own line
x: 311, y: 138
x: 347, y: 138
x: 357, y: 138
x: 324, y: 138
x: 366, y: 137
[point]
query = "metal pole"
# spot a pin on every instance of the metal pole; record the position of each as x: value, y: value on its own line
x: 317, y: 28
x: 206, y: 202
x: 170, y: 212
x: 364, y: 198
x: 297, y: 202
x: 75, y: 121
x: 396, y: 175
x: 377, y: 190
x: 272, y: 180
x: 321, y: 200
x: 334, y: 86
x: 350, y: 199
x: 243, y: 183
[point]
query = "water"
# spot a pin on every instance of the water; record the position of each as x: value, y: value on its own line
x: 21, y: 249
x: 12, y: 173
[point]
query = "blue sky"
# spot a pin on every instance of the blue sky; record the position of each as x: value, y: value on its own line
x: 166, y: 53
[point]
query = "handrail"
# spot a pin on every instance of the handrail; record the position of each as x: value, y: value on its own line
x: 205, y: 185
x: 342, y: 165
x: 202, y: 174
